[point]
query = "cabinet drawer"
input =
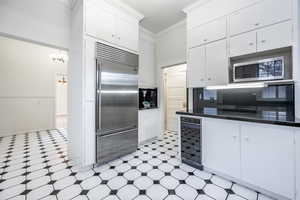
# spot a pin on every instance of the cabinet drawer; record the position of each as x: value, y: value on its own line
x: 276, y: 36
x: 210, y: 32
x: 243, y: 44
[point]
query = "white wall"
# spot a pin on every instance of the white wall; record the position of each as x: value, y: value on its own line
x: 27, y: 86
x: 43, y: 21
x: 171, y: 45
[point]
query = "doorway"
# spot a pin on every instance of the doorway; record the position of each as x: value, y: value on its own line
x: 175, y: 94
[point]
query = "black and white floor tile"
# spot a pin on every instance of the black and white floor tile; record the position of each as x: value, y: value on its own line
x: 36, y: 166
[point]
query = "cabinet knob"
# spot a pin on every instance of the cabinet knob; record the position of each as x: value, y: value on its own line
x: 112, y: 35
x: 209, y: 79
x: 205, y: 40
x: 234, y: 137
x: 201, y: 79
x: 247, y: 138
x: 251, y: 43
x: 263, y: 41
x: 256, y: 24
x: 119, y: 38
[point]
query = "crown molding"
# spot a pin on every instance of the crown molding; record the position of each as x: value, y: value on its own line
x: 147, y: 35
x: 127, y: 8
x: 197, y: 4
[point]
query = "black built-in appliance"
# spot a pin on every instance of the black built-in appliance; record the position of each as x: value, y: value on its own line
x: 191, y: 139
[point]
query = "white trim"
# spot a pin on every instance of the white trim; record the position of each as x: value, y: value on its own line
x: 197, y: 4
x: 145, y: 34
x: 125, y: 7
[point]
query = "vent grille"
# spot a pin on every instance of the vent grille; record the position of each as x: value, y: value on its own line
x: 113, y: 54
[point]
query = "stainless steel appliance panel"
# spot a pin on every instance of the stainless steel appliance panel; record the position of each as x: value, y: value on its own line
x: 116, y: 103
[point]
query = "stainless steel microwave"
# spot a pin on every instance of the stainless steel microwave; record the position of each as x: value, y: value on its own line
x: 259, y: 70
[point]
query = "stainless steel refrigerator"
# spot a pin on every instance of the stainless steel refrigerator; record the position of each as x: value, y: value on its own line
x: 116, y: 103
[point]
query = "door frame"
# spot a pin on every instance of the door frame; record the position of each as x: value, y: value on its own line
x: 163, y: 98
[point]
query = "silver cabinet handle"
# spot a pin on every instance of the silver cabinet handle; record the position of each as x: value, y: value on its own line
x: 234, y: 137
x: 263, y: 41
x: 205, y: 40
x: 209, y: 79
x: 251, y: 43
x: 257, y: 24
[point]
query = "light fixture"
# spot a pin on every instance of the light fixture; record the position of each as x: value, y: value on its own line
x: 237, y: 86
x: 59, y: 58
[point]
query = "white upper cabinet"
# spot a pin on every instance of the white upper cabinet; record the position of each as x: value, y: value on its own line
x: 208, y: 65
x: 100, y: 21
x: 147, y: 68
x: 206, y: 33
x: 262, y: 14
x: 109, y: 24
x: 128, y: 34
x: 276, y: 36
x: 221, y: 146
x: 217, y: 63
x: 196, y: 67
x: 268, y: 156
x: 243, y: 44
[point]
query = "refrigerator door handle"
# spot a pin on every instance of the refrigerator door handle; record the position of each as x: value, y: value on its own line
x: 118, y: 133
x: 98, y: 99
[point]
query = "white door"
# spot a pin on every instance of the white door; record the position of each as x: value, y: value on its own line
x: 175, y: 88
x: 217, y: 63
x: 298, y: 163
x: 276, y: 36
x: 267, y: 157
x: 243, y: 44
x: 221, y: 146
x: 196, y: 67
x: 127, y: 33
x: 100, y: 21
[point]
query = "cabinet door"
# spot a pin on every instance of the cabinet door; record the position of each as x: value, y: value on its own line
x: 274, y: 11
x: 128, y: 33
x: 245, y: 20
x: 210, y: 32
x: 100, y: 21
x: 267, y: 157
x: 196, y: 67
x: 298, y: 163
x: 217, y: 63
x: 221, y: 143
x: 276, y: 36
x: 243, y: 44
x: 147, y: 69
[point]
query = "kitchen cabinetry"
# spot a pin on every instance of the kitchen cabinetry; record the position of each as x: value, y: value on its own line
x: 243, y: 44
x: 147, y: 68
x: 262, y: 14
x: 196, y: 72
x: 208, y: 65
x: 209, y: 32
x: 149, y: 124
x: 221, y: 147
x: 297, y: 136
x: 105, y: 23
x: 276, y: 36
x: 267, y: 156
x: 272, y: 37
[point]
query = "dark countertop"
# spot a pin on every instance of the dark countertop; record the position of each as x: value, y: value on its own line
x: 267, y: 117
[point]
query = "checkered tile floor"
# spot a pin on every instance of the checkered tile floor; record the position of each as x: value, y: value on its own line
x: 36, y: 166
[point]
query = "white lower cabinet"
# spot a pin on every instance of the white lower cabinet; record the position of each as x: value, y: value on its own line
x: 221, y: 146
x: 267, y: 157
x: 150, y: 125
x: 260, y: 155
x: 298, y: 163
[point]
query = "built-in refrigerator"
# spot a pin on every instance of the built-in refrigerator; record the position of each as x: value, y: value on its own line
x: 116, y: 103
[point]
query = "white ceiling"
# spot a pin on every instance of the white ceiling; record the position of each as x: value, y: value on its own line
x: 160, y: 14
